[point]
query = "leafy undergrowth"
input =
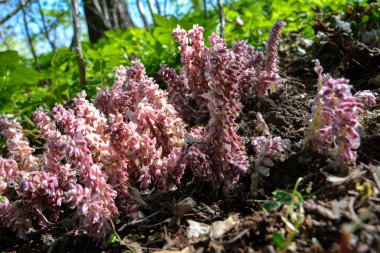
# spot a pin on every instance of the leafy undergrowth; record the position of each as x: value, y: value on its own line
x: 302, y: 206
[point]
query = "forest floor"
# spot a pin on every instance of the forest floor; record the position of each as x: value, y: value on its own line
x: 324, y: 212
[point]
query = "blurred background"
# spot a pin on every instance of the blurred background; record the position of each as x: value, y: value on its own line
x: 50, y: 50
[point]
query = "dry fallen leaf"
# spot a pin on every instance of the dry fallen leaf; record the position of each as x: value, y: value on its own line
x: 189, y: 249
x: 219, y: 228
x: 335, y: 180
x: 197, y: 231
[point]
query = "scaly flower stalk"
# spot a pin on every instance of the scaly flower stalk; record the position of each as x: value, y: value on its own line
x: 335, y: 119
x: 17, y: 144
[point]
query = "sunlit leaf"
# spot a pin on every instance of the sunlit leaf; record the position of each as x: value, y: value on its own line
x: 24, y: 75
x: 8, y: 61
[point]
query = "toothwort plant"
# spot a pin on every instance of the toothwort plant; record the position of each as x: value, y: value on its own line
x: 135, y: 137
x: 334, y: 119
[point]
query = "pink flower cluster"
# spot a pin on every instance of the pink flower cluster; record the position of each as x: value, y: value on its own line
x: 335, y: 119
x: 17, y: 144
x: 366, y: 97
x: 249, y: 69
x: 268, y: 150
x: 213, y: 80
x: 92, y: 156
x: 96, y: 156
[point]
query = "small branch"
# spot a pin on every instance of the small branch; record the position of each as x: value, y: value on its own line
x: 45, y: 26
x: 158, y: 7
x: 12, y: 13
x: 150, y: 5
x: 222, y: 18
x: 78, y: 46
x: 142, y: 14
x: 165, y: 5
x: 205, y: 8
x: 30, y: 42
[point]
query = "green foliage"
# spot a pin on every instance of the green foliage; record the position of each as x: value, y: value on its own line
x: 57, y: 78
x: 252, y: 19
x: 293, y: 217
x: 16, y: 81
x: 113, y: 238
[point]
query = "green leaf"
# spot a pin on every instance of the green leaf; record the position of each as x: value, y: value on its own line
x: 279, y: 240
x: 282, y: 196
x: 270, y: 205
x: 24, y: 75
x: 61, y: 56
x: 163, y: 35
x: 112, y: 238
x: 162, y: 20
x: 8, y: 61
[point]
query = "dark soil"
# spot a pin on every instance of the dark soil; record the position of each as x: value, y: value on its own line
x: 340, y: 213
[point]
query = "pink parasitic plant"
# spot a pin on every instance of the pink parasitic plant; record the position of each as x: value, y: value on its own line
x: 335, y: 119
x: 366, y: 97
x: 268, y: 150
x: 251, y: 70
x: 96, y: 156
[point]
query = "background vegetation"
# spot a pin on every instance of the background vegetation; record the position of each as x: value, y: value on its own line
x: 39, y: 56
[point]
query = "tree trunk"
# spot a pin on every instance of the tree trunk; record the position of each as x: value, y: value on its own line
x: 104, y: 15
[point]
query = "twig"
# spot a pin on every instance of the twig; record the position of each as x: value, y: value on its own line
x: 351, y: 208
x: 323, y: 211
x: 375, y: 173
x: 205, y: 9
x: 14, y: 12
x: 26, y: 27
x: 142, y: 14
x: 238, y: 236
x: 78, y: 46
x: 45, y: 26
x: 134, y: 222
x: 150, y: 5
x: 43, y: 216
x: 158, y: 7
x: 222, y: 18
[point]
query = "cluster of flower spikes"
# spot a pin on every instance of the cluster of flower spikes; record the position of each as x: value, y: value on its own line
x: 26, y: 195
x: 65, y: 174
x: 366, y: 97
x: 252, y: 71
x: 267, y: 150
x: 211, y: 78
x: 334, y: 119
x: 132, y: 137
x: 144, y: 128
x: 92, y: 157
